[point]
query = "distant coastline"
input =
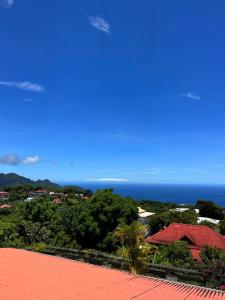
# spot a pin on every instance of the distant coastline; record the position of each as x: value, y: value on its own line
x: 178, y: 193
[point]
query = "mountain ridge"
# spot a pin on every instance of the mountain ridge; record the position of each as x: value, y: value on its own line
x: 13, y: 179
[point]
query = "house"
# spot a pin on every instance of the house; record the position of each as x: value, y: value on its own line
x: 3, y: 195
x: 210, y: 220
x: 144, y: 215
x: 29, y: 199
x: 197, y: 237
x: 183, y: 209
x: 179, y: 209
x: 141, y: 210
x: 5, y: 206
x: 38, y: 193
x: 26, y: 275
x: 55, y: 194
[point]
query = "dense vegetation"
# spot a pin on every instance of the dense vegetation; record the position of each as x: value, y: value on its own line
x: 75, y: 223
x: 156, y: 206
x: 209, y: 209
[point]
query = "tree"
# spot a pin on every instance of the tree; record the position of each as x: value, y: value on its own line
x: 88, y: 193
x: 9, y: 236
x: 158, y: 222
x: 209, y: 209
x: 222, y: 227
x: 179, y: 255
x: 211, y: 253
x: 133, y: 246
x: 33, y: 232
x: 212, y: 267
x: 91, y: 223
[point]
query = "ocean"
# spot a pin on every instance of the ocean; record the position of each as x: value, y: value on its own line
x: 181, y: 194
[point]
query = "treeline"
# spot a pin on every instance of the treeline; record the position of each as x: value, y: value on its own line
x: 73, y: 223
x: 21, y: 192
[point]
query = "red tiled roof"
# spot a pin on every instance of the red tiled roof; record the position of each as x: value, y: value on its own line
x: 30, y: 276
x: 41, y: 191
x: 198, y: 235
x: 5, y: 206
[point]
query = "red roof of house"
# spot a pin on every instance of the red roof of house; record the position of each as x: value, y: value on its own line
x: 5, y: 206
x: 3, y: 193
x: 56, y: 201
x: 41, y: 191
x: 197, y: 235
x: 30, y: 276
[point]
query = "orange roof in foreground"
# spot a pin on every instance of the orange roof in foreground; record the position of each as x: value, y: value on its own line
x: 30, y: 276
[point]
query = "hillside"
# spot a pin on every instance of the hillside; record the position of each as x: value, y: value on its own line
x: 13, y: 179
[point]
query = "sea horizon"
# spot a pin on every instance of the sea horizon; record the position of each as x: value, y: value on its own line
x: 165, y: 192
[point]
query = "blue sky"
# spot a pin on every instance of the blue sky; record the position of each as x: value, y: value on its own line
x: 113, y: 90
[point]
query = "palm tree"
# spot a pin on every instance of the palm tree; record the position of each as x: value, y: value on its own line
x: 133, y: 246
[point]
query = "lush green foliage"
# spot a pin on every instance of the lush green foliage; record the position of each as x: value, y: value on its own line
x: 176, y: 254
x: 212, y: 267
x: 222, y: 227
x: 91, y: 223
x: 162, y: 220
x: 133, y: 246
x: 209, y: 209
x: 210, y: 225
x: 73, y: 223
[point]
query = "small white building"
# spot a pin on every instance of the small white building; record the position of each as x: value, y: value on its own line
x: 203, y: 219
x: 183, y: 209
x: 144, y: 215
x: 179, y: 209
x: 29, y: 199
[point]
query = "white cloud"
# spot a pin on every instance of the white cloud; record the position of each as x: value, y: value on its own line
x: 7, y: 3
x: 29, y: 160
x: 15, y: 160
x: 24, y: 85
x: 100, y: 23
x: 109, y: 179
x: 191, y: 96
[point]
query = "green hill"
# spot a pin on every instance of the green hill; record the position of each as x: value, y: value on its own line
x: 13, y: 179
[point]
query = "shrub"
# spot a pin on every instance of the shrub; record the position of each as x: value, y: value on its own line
x: 179, y: 255
x: 212, y: 267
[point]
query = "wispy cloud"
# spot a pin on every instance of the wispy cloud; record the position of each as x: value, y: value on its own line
x: 16, y: 160
x: 24, y: 85
x: 100, y: 23
x: 109, y: 179
x: 6, y: 3
x: 191, y: 96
